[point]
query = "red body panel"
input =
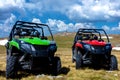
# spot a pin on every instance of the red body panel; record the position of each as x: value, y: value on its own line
x: 91, y: 42
x: 78, y: 45
x: 95, y: 43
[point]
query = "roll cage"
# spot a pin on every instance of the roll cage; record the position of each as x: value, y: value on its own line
x: 22, y: 28
x: 90, y: 32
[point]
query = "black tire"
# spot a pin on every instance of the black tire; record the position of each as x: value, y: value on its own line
x: 56, y: 66
x: 79, y: 61
x: 113, y: 63
x: 11, y: 67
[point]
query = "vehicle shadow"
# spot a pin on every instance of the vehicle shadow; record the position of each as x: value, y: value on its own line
x: 23, y: 74
x: 64, y: 70
x: 2, y: 73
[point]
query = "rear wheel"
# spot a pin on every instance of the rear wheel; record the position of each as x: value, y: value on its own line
x: 56, y: 66
x: 113, y: 63
x: 11, y: 67
x: 79, y: 60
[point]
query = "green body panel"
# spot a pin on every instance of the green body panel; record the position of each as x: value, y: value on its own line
x: 14, y: 43
x: 35, y: 41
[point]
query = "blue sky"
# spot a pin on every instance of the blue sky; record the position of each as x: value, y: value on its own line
x: 62, y: 15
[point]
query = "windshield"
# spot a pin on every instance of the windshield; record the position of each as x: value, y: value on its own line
x: 31, y: 30
x: 92, y: 34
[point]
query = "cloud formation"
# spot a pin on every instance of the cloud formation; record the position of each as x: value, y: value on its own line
x: 8, y: 7
x: 36, y: 20
x: 80, y: 10
x: 84, y: 13
x: 100, y: 10
x: 60, y: 26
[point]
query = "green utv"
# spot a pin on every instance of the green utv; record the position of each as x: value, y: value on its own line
x: 31, y: 47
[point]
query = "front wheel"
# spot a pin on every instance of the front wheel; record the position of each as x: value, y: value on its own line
x: 78, y: 60
x: 113, y: 63
x: 11, y: 67
x: 56, y: 66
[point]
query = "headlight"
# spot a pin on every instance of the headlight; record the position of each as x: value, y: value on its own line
x: 92, y: 48
x: 32, y: 48
x: 87, y: 47
x: 27, y: 47
x: 52, y: 48
x: 108, y: 47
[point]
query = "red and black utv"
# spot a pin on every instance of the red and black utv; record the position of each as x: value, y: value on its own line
x: 90, y: 48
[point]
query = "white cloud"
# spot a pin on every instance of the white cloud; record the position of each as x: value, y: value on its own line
x: 79, y: 25
x: 83, y: 10
x: 36, y: 20
x: 57, y: 25
x: 80, y: 11
x: 10, y: 20
x: 70, y: 27
x: 8, y: 7
x: 116, y: 28
x: 17, y: 3
x: 60, y: 26
x: 53, y: 25
x: 113, y: 29
x: 100, y: 10
x: 7, y: 25
x: 106, y: 27
x: 51, y: 22
x: 76, y: 13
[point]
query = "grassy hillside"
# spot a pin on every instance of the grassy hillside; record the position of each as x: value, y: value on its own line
x: 68, y: 72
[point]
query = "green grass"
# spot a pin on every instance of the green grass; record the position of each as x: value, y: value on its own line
x: 64, y: 43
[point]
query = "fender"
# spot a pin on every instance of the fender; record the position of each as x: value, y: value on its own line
x: 14, y: 43
x: 78, y: 45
